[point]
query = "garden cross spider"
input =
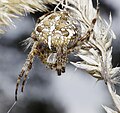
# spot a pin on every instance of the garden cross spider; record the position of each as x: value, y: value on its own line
x: 56, y: 35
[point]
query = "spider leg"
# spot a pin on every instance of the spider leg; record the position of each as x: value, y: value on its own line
x: 64, y: 59
x: 25, y: 77
x: 18, y: 82
x: 59, y: 66
x: 28, y: 64
x: 26, y: 68
x: 61, y: 59
x: 90, y: 30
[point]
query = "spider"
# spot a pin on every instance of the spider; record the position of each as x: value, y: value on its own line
x: 56, y: 35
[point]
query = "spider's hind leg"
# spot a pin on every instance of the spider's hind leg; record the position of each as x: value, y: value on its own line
x: 26, y: 68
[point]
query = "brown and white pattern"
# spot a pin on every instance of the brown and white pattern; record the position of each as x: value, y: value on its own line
x: 56, y: 35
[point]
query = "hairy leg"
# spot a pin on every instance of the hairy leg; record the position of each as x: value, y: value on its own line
x: 64, y: 58
x: 26, y: 68
x: 90, y: 30
x: 59, y: 60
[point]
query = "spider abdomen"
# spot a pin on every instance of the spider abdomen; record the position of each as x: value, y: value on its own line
x: 57, y: 32
x: 58, y: 28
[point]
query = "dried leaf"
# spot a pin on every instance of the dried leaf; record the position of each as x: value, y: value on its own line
x: 88, y: 59
x: 109, y: 110
x: 116, y: 98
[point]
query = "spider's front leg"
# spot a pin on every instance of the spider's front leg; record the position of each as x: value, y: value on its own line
x: 90, y: 30
x: 26, y: 68
x: 61, y: 59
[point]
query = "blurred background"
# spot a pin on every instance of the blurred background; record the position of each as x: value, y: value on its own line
x: 45, y: 92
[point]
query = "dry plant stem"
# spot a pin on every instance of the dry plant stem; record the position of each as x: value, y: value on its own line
x: 116, y: 100
x: 104, y: 69
x: 96, y: 55
x: 14, y: 8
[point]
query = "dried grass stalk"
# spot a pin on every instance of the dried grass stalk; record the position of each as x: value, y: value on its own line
x: 116, y: 99
x: 96, y: 52
x: 14, y: 8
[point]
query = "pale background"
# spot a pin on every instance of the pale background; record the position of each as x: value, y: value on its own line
x: 45, y: 92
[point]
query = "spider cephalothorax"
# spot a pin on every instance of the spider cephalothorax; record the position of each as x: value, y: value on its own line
x: 56, y: 35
